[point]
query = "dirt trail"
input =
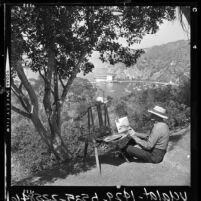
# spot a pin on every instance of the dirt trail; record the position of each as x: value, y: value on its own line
x: 174, y: 170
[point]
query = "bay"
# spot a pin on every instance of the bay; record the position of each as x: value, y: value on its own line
x: 120, y: 89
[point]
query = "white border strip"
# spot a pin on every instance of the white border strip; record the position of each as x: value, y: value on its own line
x: 7, y: 71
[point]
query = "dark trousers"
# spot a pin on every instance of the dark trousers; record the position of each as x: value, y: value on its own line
x: 150, y: 156
x: 153, y: 156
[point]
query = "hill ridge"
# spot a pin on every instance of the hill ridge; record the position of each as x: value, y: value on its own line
x: 165, y: 63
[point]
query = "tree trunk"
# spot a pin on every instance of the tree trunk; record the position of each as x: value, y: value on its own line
x: 44, y: 135
x: 56, y: 146
x: 53, y: 106
x: 57, y: 141
x: 53, y: 139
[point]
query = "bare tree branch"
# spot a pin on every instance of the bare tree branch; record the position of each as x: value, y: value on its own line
x: 20, y: 95
x: 62, y: 83
x: 20, y: 87
x: 27, y: 115
x: 40, y: 73
x: 52, y: 91
x: 48, y: 89
x: 45, y: 79
x: 70, y: 80
x: 21, y: 99
x: 16, y: 94
x: 17, y: 90
x: 27, y: 85
x: 45, y: 71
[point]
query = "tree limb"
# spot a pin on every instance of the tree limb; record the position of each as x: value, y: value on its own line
x: 40, y: 73
x: 48, y: 89
x: 70, y: 80
x: 27, y: 85
x: 52, y: 91
x: 62, y: 83
x: 27, y: 115
x: 17, y: 90
x: 45, y: 71
x: 45, y: 79
x: 21, y: 99
x: 20, y: 87
x: 19, y: 94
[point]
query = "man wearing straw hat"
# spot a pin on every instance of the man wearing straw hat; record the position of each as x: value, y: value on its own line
x: 150, y: 148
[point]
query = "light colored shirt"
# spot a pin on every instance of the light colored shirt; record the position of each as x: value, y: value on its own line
x: 158, y: 138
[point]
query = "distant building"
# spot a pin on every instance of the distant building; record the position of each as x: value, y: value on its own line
x: 109, y: 78
x: 104, y: 78
x: 100, y: 78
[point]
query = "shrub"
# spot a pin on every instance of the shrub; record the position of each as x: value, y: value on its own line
x: 30, y: 150
x: 179, y: 114
x: 121, y: 109
x: 175, y: 100
x: 184, y: 92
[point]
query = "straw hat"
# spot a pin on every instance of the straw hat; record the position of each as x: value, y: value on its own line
x: 159, y: 111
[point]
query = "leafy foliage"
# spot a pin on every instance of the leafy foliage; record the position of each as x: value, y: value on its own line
x: 75, y: 30
x: 184, y: 91
x: 136, y: 104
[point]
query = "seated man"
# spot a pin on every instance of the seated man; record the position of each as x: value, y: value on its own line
x: 150, y: 148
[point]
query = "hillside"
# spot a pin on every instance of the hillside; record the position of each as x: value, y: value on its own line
x: 162, y: 63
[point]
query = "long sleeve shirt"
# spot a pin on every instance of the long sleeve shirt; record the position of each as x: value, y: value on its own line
x: 158, y: 138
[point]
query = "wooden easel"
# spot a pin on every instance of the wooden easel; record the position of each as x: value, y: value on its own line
x: 103, y: 130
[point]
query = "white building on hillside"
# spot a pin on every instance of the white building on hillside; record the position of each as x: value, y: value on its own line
x: 109, y: 78
x: 100, y: 78
x: 104, y: 78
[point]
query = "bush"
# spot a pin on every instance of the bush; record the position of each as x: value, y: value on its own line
x: 184, y: 92
x: 179, y: 114
x: 29, y: 148
x: 175, y: 100
x: 121, y: 109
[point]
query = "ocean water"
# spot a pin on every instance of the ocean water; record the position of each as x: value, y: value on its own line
x: 118, y: 89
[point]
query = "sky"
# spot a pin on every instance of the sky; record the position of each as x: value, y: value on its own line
x: 169, y: 31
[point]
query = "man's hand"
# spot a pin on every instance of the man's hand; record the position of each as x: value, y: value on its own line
x: 131, y: 133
